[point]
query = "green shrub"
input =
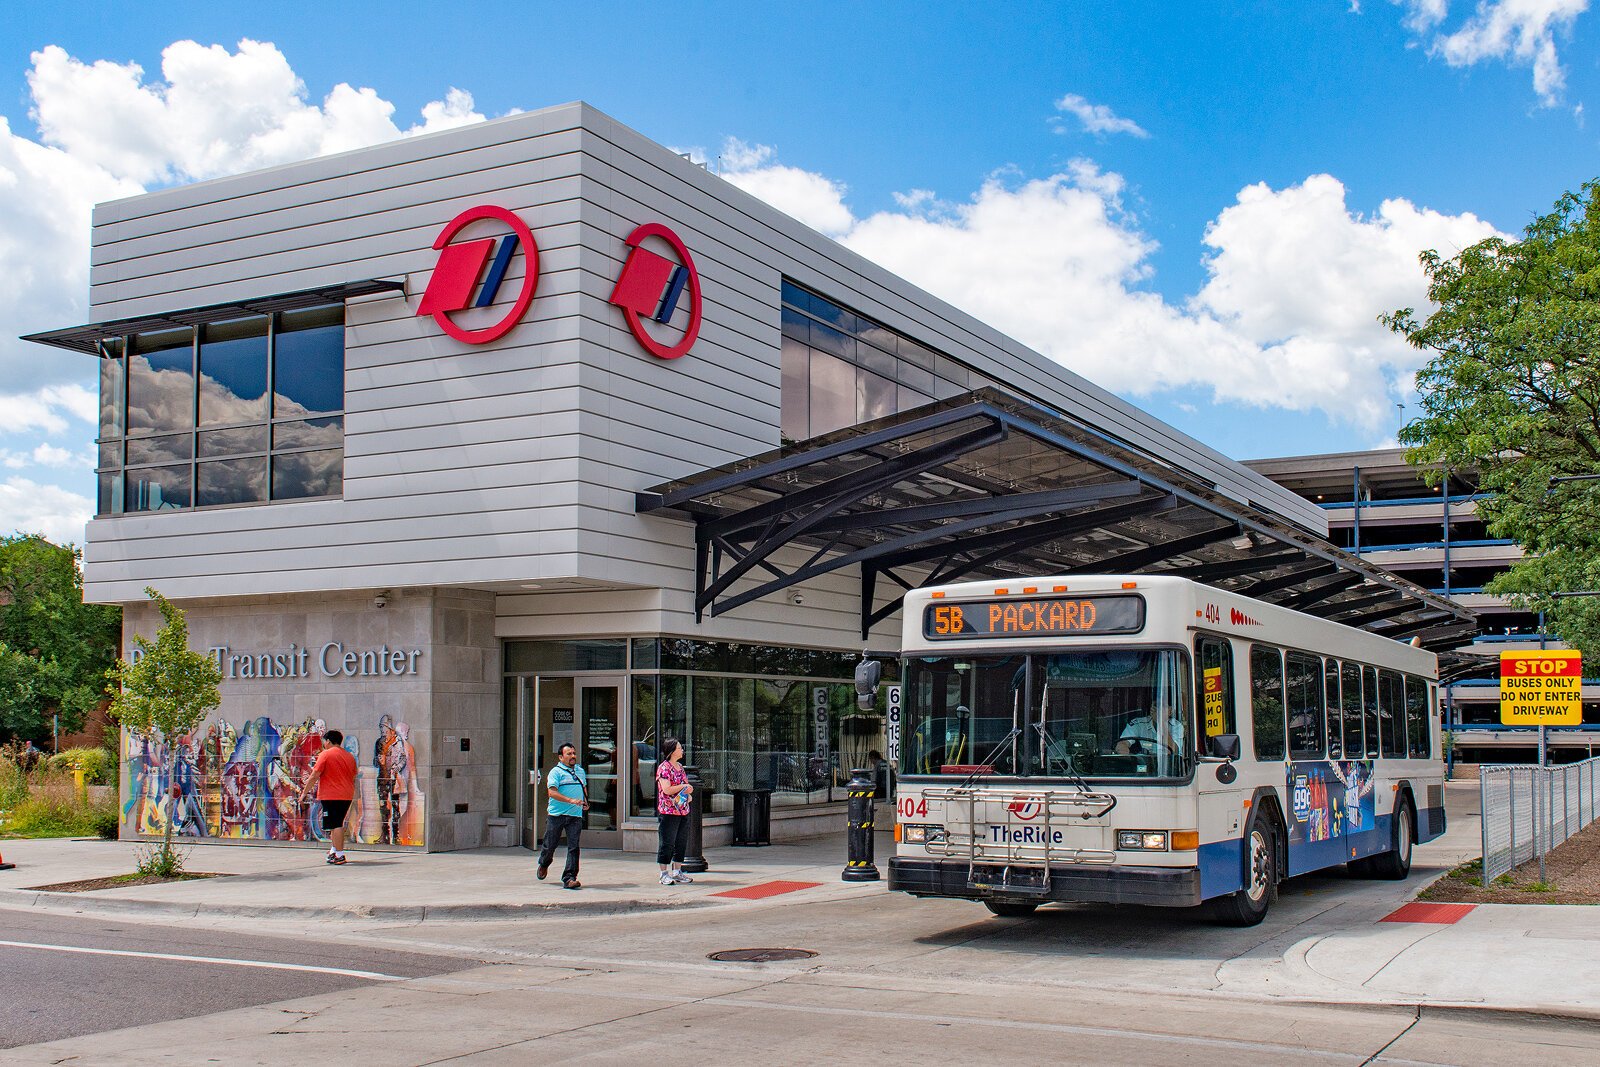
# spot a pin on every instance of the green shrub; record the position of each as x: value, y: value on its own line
x: 97, y: 764
x: 54, y: 807
x: 161, y: 860
x: 13, y: 785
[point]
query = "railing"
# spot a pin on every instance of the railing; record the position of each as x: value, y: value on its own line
x: 1010, y: 856
x: 1529, y: 810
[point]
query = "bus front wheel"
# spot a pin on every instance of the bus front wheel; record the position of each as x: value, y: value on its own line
x: 1008, y: 909
x: 1249, y: 905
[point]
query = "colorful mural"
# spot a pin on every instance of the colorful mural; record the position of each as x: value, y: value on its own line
x: 245, y: 783
x: 1330, y: 799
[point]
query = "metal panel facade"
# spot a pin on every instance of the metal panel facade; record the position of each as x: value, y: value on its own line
x: 516, y: 462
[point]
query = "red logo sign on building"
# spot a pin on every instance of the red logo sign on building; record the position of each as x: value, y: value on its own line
x: 652, y: 286
x: 469, y: 274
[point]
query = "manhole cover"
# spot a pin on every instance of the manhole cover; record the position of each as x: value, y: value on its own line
x: 761, y: 955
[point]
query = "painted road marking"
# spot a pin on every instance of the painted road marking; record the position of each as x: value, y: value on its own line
x: 1420, y: 912
x: 766, y: 889
x: 371, y: 976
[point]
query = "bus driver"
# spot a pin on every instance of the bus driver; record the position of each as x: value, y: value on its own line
x: 1140, y: 735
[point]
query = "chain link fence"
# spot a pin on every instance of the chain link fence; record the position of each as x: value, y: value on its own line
x: 1528, y: 810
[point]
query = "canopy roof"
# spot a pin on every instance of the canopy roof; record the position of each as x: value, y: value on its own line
x: 987, y: 484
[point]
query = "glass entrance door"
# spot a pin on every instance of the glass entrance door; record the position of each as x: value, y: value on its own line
x: 585, y: 712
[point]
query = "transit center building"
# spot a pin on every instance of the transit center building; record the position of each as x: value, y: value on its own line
x: 533, y: 431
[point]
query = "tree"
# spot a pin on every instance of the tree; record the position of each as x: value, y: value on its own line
x: 1512, y: 390
x: 54, y: 648
x: 167, y: 690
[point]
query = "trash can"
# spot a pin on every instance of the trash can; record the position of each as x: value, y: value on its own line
x: 752, y: 816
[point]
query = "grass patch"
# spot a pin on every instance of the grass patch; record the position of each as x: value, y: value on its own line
x: 51, y: 805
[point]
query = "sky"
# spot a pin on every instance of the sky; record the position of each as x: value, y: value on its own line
x: 1202, y: 207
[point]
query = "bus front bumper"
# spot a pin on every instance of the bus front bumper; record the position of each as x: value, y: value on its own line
x: 1173, y: 887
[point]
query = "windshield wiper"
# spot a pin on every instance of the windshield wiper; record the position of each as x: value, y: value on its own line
x: 1071, y: 775
x: 993, y: 752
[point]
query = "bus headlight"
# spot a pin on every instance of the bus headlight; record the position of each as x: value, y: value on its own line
x: 1141, y: 840
x: 915, y: 834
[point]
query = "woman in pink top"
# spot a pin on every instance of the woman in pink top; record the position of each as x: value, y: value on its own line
x: 672, y: 808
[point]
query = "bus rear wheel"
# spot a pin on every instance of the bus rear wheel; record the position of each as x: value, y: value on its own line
x: 1396, y: 863
x: 1249, y: 905
x: 1008, y: 909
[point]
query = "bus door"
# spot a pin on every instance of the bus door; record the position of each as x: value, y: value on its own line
x: 1220, y: 806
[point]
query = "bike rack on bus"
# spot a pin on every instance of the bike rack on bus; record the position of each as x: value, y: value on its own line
x: 1024, y: 867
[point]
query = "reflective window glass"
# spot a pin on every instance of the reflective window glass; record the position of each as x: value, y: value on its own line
x: 1215, y: 686
x: 307, y: 474
x: 232, y: 441
x: 231, y: 481
x: 875, y: 396
x: 1335, y: 723
x: 169, y: 449
x: 829, y: 340
x: 833, y: 394
x: 1303, y: 682
x: 110, y: 454
x: 910, y: 398
x: 1369, y: 710
x: 111, y: 371
x: 233, y: 372
x: 796, y: 409
x: 1350, y: 690
x: 1266, y: 702
x: 157, y: 488
x: 110, y: 494
x: 312, y: 433
x: 161, y: 382
x: 1419, y: 732
x: 308, y: 363
x: 1392, y: 714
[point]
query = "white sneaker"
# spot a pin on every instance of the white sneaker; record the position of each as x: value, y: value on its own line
x: 667, y: 879
x: 681, y: 878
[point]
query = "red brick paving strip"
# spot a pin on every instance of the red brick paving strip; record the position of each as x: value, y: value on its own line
x: 765, y: 889
x: 1419, y: 912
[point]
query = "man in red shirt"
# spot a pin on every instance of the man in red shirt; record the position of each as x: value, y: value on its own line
x: 334, y: 778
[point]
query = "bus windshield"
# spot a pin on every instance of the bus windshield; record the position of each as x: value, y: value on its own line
x: 1097, y: 714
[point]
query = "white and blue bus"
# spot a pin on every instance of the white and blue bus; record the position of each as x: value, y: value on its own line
x: 1150, y: 740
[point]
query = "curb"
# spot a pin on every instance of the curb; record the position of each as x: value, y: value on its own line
x: 84, y: 902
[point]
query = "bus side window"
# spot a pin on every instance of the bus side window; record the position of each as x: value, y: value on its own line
x: 1306, y: 715
x: 1369, y: 709
x: 1335, y: 727
x: 1418, y: 737
x: 1393, y: 714
x: 1214, y: 662
x: 1350, y: 687
x: 1266, y: 702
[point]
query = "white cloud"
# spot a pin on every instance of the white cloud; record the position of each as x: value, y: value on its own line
x: 1287, y: 317
x: 1520, y: 32
x: 1097, y: 119
x: 814, y: 200
x: 29, y: 507
x: 47, y: 409
x: 105, y: 132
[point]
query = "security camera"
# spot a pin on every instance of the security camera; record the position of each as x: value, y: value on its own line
x: 380, y: 601
x: 796, y: 599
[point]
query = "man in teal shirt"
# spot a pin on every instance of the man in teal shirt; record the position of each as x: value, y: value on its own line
x: 567, y: 786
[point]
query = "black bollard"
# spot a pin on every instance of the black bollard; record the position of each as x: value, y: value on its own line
x: 858, y: 865
x: 693, y: 860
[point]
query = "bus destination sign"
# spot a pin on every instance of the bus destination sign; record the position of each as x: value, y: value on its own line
x: 1053, y: 616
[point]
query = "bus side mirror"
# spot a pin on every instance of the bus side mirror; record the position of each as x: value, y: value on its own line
x: 868, y: 672
x: 1225, y: 746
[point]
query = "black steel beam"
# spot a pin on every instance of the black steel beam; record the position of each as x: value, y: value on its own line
x: 1304, y: 601
x: 1286, y: 581
x: 1127, y: 562
x: 1229, y: 568
x: 1015, y: 506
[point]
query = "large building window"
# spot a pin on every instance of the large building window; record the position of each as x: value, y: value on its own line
x: 841, y: 368
x: 237, y: 412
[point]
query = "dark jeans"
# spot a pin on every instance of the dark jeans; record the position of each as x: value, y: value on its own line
x: 554, y: 827
x: 672, y: 838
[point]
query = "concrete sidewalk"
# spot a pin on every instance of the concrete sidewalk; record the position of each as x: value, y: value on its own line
x: 284, y: 883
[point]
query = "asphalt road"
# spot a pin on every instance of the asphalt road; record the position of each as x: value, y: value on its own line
x: 47, y: 993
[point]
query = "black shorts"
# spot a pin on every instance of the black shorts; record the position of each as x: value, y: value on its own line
x: 333, y: 813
